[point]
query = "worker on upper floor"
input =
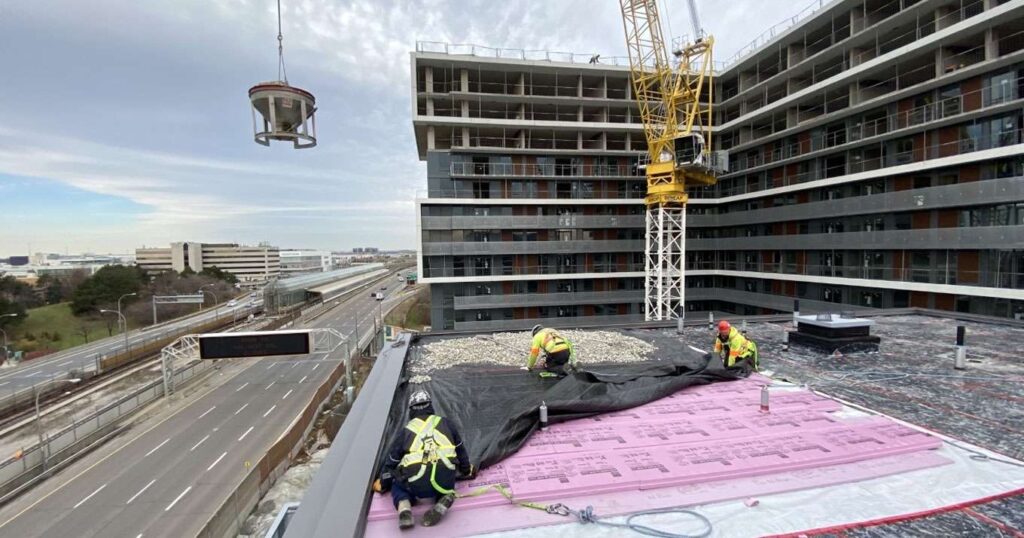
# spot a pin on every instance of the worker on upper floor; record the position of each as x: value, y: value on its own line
x: 735, y: 349
x: 424, y: 462
x: 558, y: 352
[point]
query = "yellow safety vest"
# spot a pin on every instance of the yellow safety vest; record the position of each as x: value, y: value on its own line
x: 429, y: 447
x: 739, y: 347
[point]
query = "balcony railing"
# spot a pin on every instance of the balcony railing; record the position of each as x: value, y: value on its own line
x: 458, y: 248
x: 440, y: 47
x: 575, y: 321
x: 962, y: 146
x: 936, y: 274
x: 469, y: 169
x: 498, y: 189
x: 548, y: 299
x: 472, y: 270
x: 946, y: 108
x: 532, y: 222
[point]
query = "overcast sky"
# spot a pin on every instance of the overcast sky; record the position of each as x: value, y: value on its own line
x: 126, y: 123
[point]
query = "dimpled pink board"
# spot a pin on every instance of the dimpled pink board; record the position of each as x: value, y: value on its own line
x: 697, y: 436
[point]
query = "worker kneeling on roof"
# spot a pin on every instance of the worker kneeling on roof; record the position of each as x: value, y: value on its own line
x: 735, y: 349
x: 557, y: 349
x: 423, y: 463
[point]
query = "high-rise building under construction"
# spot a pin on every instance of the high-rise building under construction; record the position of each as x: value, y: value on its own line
x: 875, y: 160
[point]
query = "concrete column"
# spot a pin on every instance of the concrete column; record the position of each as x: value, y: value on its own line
x: 579, y: 85
x: 629, y: 141
x: 991, y: 44
x: 428, y: 79
x: 939, y: 68
x: 430, y: 106
x: 854, y: 93
x: 465, y: 108
x: 431, y: 138
x: 464, y: 80
x: 579, y: 113
x: 521, y: 84
x: 579, y: 139
x: 522, y: 111
x: 792, y: 117
x: 604, y: 88
x: 465, y: 136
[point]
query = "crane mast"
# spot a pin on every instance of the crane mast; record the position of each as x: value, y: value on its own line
x: 675, y: 108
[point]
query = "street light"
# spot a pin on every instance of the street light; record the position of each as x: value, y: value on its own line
x: 216, y: 302
x: 119, y: 308
x: 39, y: 421
x: 120, y: 318
x: 5, y: 332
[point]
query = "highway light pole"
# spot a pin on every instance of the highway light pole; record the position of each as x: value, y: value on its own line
x: 5, y: 332
x: 121, y: 317
x: 119, y: 308
x: 43, y: 449
x: 216, y: 302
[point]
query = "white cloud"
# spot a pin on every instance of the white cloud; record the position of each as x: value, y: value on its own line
x: 146, y: 101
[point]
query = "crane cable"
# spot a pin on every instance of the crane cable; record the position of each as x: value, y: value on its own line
x: 282, y: 73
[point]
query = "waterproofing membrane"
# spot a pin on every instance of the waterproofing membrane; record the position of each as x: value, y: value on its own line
x: 496, y: 409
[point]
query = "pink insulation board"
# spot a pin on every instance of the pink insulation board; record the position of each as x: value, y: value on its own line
x: 701, y: 435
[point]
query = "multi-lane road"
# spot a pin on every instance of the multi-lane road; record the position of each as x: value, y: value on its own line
x: 169, y: 480
x: 84, y: 357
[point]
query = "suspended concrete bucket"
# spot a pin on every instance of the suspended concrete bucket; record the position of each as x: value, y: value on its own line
x: 287, y: 114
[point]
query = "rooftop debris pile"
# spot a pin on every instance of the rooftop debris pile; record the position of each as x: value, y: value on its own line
x: 512, y: 348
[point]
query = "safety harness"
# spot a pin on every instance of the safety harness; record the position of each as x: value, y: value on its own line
x: 429, y: 447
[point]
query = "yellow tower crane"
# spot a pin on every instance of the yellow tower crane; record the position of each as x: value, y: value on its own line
x: 675, y: 107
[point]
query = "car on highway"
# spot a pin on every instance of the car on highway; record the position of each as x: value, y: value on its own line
x: 232, y: 302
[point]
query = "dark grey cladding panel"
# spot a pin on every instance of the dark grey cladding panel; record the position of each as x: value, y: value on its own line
x: 336, y: 503
x: 439, y: 164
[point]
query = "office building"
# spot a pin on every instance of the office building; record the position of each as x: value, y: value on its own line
x: 252, y: 265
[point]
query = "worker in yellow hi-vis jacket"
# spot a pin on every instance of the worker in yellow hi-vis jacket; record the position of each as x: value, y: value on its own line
x: 735, y: 349
x: 423, y: 463
x: 558, y: 352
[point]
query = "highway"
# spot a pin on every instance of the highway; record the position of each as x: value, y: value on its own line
x: 170, y: 479
x: 59, y: 364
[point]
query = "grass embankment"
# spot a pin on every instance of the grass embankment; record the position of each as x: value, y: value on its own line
x: 54, y: 327
x: 413, y: 313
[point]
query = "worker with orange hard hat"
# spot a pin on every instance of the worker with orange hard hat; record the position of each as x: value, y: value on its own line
x: 735, y: 349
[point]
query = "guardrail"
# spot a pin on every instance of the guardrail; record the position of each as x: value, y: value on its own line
x: 140, y: 345
x: 20, y: 469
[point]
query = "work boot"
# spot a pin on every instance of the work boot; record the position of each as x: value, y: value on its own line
x: 437, y: 512
x: 405, y: 520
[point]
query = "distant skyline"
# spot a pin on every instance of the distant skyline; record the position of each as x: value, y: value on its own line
x: 132, y: 127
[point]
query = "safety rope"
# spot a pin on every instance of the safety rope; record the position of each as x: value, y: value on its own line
x: 587, y: 515
x: 281, y: 71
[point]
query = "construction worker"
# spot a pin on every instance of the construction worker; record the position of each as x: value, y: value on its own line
x: 558, y: 352
x: 734, y: 348
x: 424, y: 463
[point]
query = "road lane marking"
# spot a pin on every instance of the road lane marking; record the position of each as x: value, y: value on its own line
x: 178, y: 498
x: 65, y: 363
x: 216, y: 461
x: 295, y: 364
x: 303, y: 378
x: 199, y: 443
x: 157, y: 447
x: 207, y: 411
x: 240, y: 408
x: 144, y: 488
x: 271, y: 365
x: 269, y: 410
x: 242, y: 387
x: 59, y: 487
x: 270, y: 385
x: 246, y: 433
x: 315, y: 366
x: 4, y: 383
x: 89, y: 496
x: 286, y: 394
